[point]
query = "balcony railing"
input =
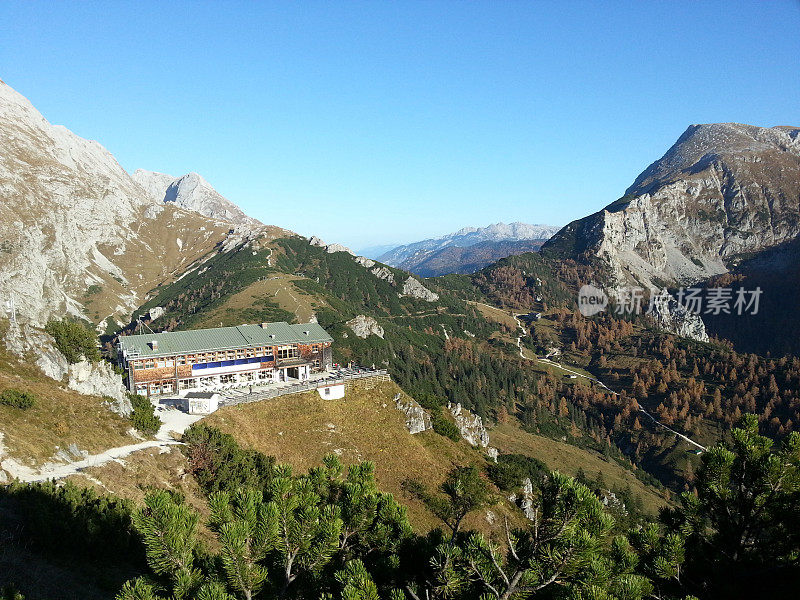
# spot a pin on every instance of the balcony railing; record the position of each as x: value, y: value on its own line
x: 381, y: 374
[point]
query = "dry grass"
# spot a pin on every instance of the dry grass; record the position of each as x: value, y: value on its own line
x: 300, y: 429
x: 568, y: 459
x: 133, y: 476
x: 277, y: 288
x: 59, y: 418
x: 495, y: 314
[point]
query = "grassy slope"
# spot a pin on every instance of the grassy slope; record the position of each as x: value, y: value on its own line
x: 302, y: 428
x: 278, y: 289
x: 59, y: 418
x: 568, y: 459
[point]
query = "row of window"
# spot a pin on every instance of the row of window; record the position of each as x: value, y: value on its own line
x: 168, y: 387
x: 204, y: 357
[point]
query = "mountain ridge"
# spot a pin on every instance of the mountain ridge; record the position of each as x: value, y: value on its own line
x: 721, y: 191
x: 79, y: 235
x: 409, y: 256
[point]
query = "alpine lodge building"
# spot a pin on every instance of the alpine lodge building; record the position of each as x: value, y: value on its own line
x: 215, y: 359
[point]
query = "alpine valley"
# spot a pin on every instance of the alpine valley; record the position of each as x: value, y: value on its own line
x: 495, y: 380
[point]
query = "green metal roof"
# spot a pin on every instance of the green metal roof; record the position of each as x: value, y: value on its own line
x: 223, y: 338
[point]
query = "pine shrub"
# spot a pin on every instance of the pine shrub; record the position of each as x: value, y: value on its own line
x: 17, y: 399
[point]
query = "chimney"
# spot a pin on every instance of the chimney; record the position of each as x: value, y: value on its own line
x: 307, y: 332
x: 154, y: 345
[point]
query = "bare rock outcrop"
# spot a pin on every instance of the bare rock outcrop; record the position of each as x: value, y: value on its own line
x: 329, y: 248
x: 415, y: 289
x: 100, y: 379
x: 365, y: 262
x: 469, y: 425
x: 94, y: 379
x: 671, y: 316
x: 417, y: 418
x: 526, y: 499
x: 364, y: 326
x: 383, y: 273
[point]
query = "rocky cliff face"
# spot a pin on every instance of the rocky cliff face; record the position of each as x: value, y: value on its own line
x: 721, y: 191
x: 78, y: 235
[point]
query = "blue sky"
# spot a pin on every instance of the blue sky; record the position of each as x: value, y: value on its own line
x: 380, y: 122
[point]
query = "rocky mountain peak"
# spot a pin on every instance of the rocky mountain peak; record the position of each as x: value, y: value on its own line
x: 191, y: 192
x: 78, y: 235
x: 721, y: 191
x: 729, y: 144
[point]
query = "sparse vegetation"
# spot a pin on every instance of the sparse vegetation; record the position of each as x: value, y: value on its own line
x: 17, y: 399
x: 74, y: 340
x: 143, y: 416
x: 444, y: 426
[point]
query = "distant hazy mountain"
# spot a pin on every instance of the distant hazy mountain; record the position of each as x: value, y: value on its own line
x: 457, y: 259
x: 374, y: 252
x: 411, y: 256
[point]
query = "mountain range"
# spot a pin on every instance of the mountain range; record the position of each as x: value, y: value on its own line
x: 435, y: 256
x: 81, y: 238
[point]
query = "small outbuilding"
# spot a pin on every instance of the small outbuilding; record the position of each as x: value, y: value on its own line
x: 201, y: 403
x: 334, y: 391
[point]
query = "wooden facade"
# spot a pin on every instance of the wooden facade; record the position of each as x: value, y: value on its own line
x: 165, y: 372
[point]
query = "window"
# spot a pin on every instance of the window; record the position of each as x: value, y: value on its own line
x: 287, y: 352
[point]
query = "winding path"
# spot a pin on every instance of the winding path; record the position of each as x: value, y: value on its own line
x: 174, y: 421
x: 598, y: 382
